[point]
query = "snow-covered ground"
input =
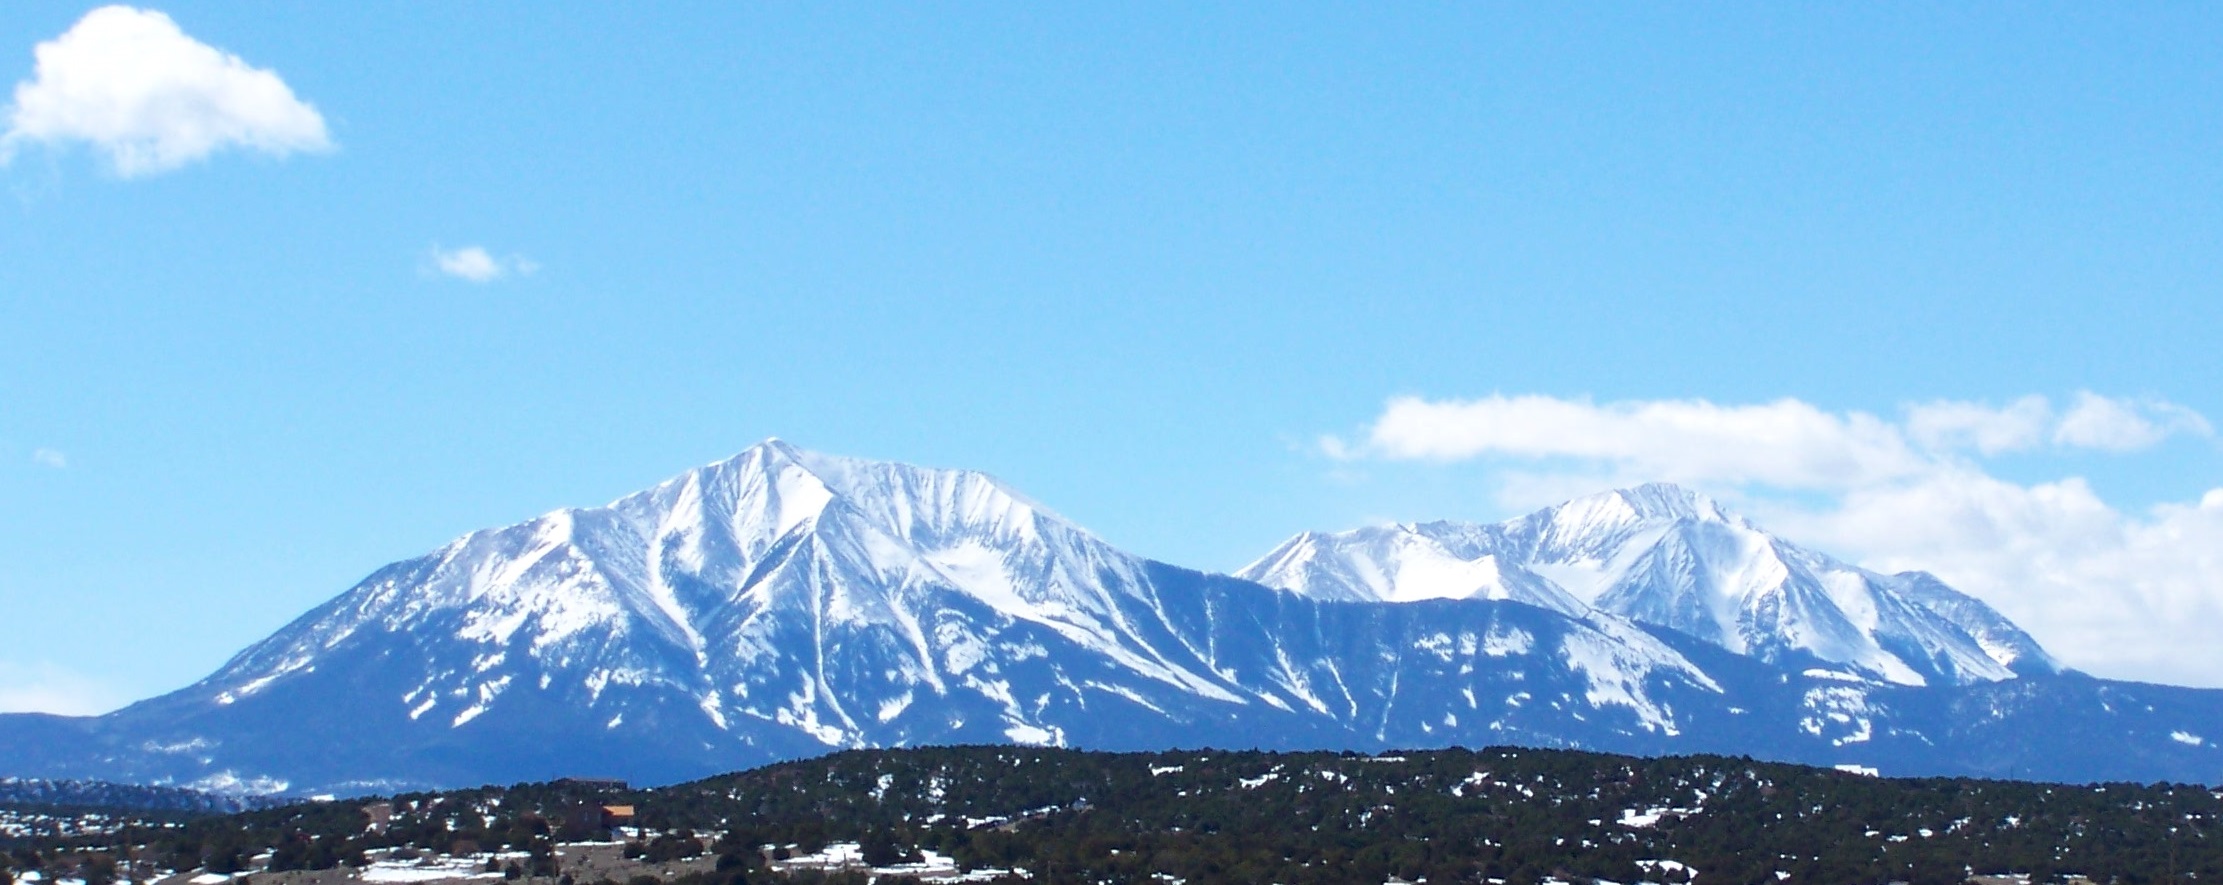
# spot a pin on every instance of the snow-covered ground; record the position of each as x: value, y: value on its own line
x: 932, y: 867
x: 428, y: 869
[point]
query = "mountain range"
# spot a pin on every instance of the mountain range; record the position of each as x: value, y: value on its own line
x: 785, y: 603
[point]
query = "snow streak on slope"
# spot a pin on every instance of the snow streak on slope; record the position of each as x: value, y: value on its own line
x: 821, y: 594
x: 784, y: 599
x: 783, y: 602
x: 1668, y: 557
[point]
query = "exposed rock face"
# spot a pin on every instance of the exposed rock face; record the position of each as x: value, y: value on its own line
x: 784, y: 603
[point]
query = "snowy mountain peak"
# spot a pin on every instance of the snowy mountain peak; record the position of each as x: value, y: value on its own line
x: 1670, y: 557
x: 1645, y: 505
x: 1402, y: 563
x: 786, y: 486
x: 1664, y: 500
x: 755, y: 588
x: 782, y: 602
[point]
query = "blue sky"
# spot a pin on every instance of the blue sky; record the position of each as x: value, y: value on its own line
x: 1197, y: 278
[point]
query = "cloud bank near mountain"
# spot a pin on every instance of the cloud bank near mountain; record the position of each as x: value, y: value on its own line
x: 2118, y: 592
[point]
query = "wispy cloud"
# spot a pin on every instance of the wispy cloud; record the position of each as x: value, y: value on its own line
x: 1786, y: 443
x: 2121, y: 593
x: 46, y: 687
x: 1987, y: 429
x: 50, y: 458
x: 2096, y: 422
x: 132, y: 85
x: 475, y: 264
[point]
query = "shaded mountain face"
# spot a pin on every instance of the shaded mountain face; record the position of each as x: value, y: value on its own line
x: 1667, y: 557
x: 784, y: 603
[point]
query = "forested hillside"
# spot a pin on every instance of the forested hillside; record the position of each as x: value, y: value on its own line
x: 1517, y: 815
x: 119, y: 797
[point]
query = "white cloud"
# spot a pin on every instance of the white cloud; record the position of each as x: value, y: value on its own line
x: 2127, y: 594
x: 1946, y: 425
x: 45, y: 687
x: 132, y: 85
x: 1786, y: 443
x: 2096, y: 422
x: 50, y: 458
x: 475, y: 264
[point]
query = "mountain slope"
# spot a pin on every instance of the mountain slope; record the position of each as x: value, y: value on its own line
x: 784, y: 603
x: 1668, y: 557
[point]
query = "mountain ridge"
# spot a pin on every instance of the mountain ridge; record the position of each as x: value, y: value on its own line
x: 783, y: 603
x: 1667, y: 556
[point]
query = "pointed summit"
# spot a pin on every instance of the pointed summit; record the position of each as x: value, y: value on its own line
x: 1622, y: 509
x: 1666, y: 500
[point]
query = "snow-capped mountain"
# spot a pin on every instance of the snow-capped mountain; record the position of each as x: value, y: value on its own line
x: 1403, y: 563
x: 1669, y: 557
x: 783, y: 603
x: 818, y: 593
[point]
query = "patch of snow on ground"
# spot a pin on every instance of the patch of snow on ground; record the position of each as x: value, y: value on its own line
x: 836, y: 854
x: 427, y: 870
x: 2188, y: 738
x: 1649, y: 817
x: 1635, y: 819
x: 1666, y: 866
x: 932, y: 866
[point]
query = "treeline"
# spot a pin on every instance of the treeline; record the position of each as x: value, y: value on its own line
x: 105, y: 796
x: 1459, y: 816
x: 1207, y: 817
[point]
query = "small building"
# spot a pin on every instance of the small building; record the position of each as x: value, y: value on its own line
x: 592, y: 820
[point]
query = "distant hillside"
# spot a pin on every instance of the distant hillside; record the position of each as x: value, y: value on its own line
x: 1511, y: 815
x: 102, y: 795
